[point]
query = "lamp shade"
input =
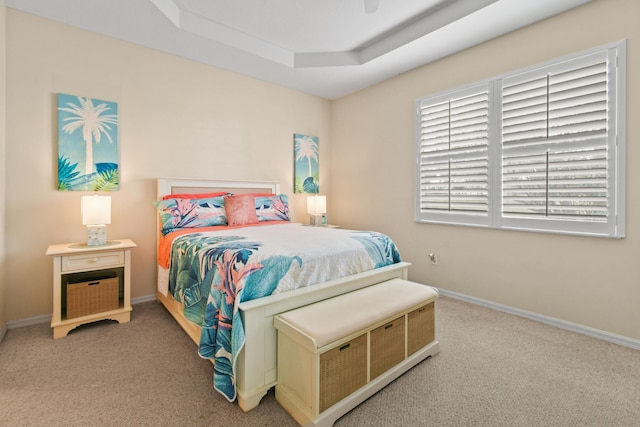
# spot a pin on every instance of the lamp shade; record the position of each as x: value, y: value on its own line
x: 316, y: 205
x: 96, y: 210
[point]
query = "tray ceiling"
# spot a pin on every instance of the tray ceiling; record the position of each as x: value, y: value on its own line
x: 328, y: 48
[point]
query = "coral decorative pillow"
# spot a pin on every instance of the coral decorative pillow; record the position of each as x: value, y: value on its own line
x: 241, y: 209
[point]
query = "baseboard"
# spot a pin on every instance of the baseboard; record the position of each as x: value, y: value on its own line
x: 573, y: 327
x: 29, y: 321
x: 46, y: 318
x: 144, y: 298
x: 3, y: 332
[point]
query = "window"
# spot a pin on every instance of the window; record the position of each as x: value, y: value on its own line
x: 541, y: 149
x: 454, y: 144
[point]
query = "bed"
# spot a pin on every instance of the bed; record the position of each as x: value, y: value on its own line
x: 252, y: 371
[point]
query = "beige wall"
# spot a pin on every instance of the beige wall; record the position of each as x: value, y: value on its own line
x: 593, y: 282
x: 171, y: 108
x: 177, y: 119
x: 2, y: 167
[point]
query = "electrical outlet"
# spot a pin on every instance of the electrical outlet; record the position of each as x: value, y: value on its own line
x: 433, y: 258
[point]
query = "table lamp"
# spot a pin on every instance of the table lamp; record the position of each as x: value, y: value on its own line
x: 316, y: 208
x: 96, y: 213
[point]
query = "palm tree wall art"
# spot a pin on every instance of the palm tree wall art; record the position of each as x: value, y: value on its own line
x: 87, y: 144
x: 306, y: 168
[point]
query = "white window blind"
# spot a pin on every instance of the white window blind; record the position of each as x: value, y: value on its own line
x: 558, y: 142
x: 550, y: 139
x: 452, y: 155
x: 557, y: 106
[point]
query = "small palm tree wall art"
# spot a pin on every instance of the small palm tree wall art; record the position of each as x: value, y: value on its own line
x: 87, y: 144
x: 306, y: 169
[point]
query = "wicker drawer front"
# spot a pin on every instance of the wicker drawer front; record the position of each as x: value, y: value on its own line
x: 94, y: 296
x: 420, y: 328
x: 343, y: 370
x: 92, y: 261
x: 387, y: 346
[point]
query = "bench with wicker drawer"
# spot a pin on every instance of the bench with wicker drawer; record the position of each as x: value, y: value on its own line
x: 334, y: 354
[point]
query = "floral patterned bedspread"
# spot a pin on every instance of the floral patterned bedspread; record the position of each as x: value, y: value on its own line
x: 211, y: 273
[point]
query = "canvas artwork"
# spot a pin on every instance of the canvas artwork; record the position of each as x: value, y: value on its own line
x: 87, y: 144
x: 306, y: 169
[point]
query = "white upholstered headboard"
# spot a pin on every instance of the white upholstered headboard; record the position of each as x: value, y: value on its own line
x: 186, y: 185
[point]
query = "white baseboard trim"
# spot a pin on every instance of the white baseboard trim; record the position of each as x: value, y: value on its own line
x: 573, y: 327
x: 144, y: 298
x: 3, y: 332
x: 46, y: 318
x: 29, y: 321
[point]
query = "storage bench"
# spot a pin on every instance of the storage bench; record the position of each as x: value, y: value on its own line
x: 334, y: 354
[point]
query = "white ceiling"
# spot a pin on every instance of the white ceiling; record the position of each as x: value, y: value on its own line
x: 328, y: 48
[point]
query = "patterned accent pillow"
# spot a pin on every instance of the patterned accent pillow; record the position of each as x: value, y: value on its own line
x: 190, y: 213
x: 273, y: 208
x: 241, y: 209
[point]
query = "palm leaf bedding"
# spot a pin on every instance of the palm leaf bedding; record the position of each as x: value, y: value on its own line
x: 212, y: 272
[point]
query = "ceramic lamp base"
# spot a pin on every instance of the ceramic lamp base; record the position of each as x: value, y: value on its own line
x: 96, y: 235
x: 317, y: 219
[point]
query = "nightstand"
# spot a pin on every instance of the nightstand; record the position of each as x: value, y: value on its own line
x: 90, y: 283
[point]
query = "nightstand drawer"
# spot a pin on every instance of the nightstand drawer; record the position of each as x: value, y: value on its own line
x: 92, y: 261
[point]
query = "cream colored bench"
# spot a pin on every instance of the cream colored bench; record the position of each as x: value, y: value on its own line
x: 334, y: 354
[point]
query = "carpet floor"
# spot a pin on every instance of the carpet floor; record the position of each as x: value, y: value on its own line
x: 493, y: 369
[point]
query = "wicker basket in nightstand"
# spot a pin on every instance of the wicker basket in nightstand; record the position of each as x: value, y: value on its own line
x: 94, y: 296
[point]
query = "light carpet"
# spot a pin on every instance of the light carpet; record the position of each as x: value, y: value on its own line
x: 493, y: 369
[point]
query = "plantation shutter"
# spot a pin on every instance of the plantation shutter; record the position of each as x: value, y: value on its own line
x: 543, y: 149
x: 555, y: 139
x: 452, y: 157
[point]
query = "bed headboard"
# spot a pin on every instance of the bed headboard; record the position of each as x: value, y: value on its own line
x: 186, y: 185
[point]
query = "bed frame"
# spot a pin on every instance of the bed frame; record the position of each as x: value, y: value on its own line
x: 256, y: 370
